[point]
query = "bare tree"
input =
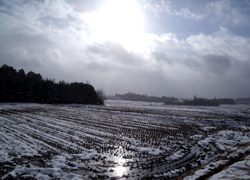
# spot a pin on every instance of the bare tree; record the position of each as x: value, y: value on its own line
x: 101, y: 95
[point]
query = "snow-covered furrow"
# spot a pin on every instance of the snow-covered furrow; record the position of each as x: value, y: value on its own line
x: 116, y: 119
x: 157, y: 142
x: 103, y: 127
x: 44, y: 136
x: 47, y: 125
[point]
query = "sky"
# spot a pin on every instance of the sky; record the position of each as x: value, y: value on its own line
x: 156, y: 47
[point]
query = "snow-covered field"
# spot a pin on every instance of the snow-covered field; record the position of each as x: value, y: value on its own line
x: 124, y: 139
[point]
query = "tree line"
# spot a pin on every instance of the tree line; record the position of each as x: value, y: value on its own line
x: 17, y: 86
x: 175, y: 101
x: 242, y: 101
x: 138, y: 97
x: 208, y: 102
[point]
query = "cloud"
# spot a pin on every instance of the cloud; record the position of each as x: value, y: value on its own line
x: 186, y: 13
x: 20, y: 52
x: 157, y: 7
x: 56, y: 9
x: 244, y: 68
x: 226, y: 12
x: 223, y: 42
x: 218, y: 64
x: 161, y: 57
x: 112, y: 52
x: 84, y: 6
x: 53, y: 38
x: 98, y: 68
x: 164, y: 6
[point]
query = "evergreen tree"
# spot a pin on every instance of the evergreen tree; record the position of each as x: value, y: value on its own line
x: 19, y: 87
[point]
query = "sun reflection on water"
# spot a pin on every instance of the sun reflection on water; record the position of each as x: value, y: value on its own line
x: 121, y: 161
x: 120, y: 170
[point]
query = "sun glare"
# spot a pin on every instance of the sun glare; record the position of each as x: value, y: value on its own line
x: 119, y: 21
x: 120, y: 170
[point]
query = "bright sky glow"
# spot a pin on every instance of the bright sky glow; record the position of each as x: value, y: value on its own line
x: 154, y: 47
x: 120, y: 22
